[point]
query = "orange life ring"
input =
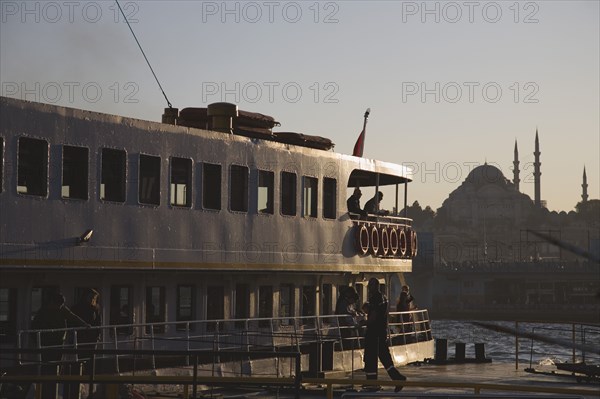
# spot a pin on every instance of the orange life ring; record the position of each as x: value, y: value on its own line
x: 374, y: 240
x: 403, y: 244
x: 385, y: 241
x: 362, y: 239
x: 413, y: 243
x: 393, y: 241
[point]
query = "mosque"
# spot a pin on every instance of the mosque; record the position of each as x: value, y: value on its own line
x: 488, y: 219
x: 478, y: 254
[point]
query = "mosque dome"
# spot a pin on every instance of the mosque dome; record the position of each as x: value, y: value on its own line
x: 486, y: 174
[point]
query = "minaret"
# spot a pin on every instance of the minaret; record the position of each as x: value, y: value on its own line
x: 516, y: 179
x: 584, y: 194
x: 536, y: 171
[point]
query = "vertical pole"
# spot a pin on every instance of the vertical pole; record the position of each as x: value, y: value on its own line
x: 573, y: 341
x: 405, y: 196
x: 377, y: 193
x: 298, y: 378
x: 195, y: 382
x: 187, y: 342
x: 396, y: 206
x: 516, y: 345
x: 116, y: 344
x: 92, y: 374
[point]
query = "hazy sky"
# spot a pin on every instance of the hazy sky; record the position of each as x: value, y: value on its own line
x: 450, y: 84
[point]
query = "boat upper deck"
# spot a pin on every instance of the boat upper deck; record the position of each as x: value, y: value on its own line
x: 105, y: 190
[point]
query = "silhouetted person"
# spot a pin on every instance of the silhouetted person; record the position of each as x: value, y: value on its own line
x: 346, y: 306
x: 372, y: 205
x: 405, y: 303
x: 88, y: 309
x: 54, y: 315
x: 376, y: 343
x: 353, y: 203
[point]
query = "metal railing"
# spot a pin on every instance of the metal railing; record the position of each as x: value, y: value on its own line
x: 296, y: 382
x: 90, y: 377
x: 223, y: 336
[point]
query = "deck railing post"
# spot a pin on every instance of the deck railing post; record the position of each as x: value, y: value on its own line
x: 187, y: 334
x: 277, y: 362
x: 573, y: 341
x: 583, y: 343
x: 92, y: 374
x: 153, y: 348
x: 19, y: 346
x: 195, y: 381
x: 38, y: 338
x: 247, y: 335
x: 516, y: 345
x: 298, y: 376
x: 116, y: 347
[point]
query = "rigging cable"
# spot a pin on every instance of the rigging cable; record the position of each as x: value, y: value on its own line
x: 144, y: 54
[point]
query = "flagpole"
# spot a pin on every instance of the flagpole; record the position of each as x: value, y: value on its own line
x: 367, y: 112
x: 360, y: 143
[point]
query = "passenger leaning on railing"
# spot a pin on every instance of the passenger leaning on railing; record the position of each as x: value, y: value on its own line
x: 372, y: 205
x: 89, y: 311
x: 352, y: 318
x: 353, y: 203
x: 54, y: 315
x: 406, y: 303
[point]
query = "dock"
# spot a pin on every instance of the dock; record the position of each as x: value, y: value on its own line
x: 467, y: 380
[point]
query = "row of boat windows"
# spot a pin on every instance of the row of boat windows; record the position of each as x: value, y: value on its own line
x: 32, y: 179
x: 121, y: 306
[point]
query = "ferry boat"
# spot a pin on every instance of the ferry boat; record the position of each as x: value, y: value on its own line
x: 204, y: 223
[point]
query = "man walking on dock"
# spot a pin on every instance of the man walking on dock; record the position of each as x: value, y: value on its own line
x: 376, y: 344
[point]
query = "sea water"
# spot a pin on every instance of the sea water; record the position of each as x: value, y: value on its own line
x: 501, y: 347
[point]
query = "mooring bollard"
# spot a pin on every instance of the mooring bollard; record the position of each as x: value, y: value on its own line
x: 459, y: 351
x: 441, y: 349
x: 480, y: 351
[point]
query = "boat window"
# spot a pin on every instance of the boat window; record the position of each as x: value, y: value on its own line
x: 40, y: 296
x: 215, y: 305
x: 238, y: 192
x: 266, y: 188
x: 286, y: 302
x: 120, y: 307
x: 149, y: 180
x: 211, y: 186
x: 8, y: 312
x: 75, y: 172
x: 242, y: 303
x: 309, y: 196
x: 288, y: 193
x: 155, y: 308
x: 326, y: 299
x: 265, y: 304
x: 308, y: 301
x: 186, y: 309
x: 181, y: 182
x: 112, y: 182
x: 1, y: 163
x: 329, y: 198
x: 32, y: 170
